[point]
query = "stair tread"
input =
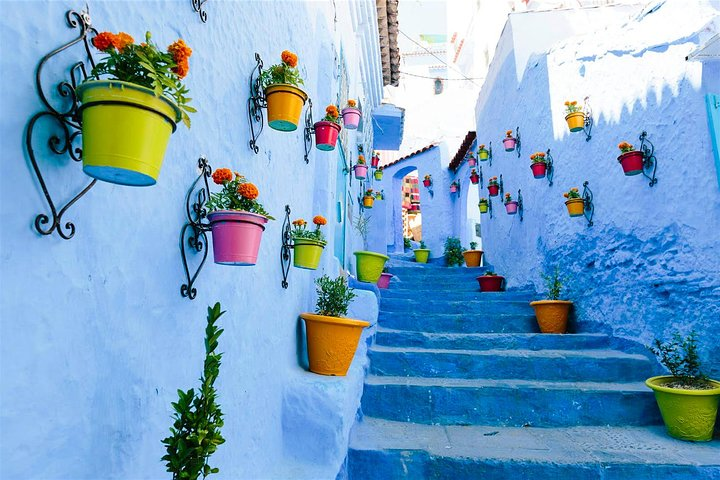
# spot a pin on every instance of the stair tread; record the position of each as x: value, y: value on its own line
x: 596, y: 354
x: 491, y: 335
x: 445, y: 382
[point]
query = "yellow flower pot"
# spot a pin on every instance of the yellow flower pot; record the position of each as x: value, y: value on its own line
x: 472, y: 257
x: 483, y: 207
x: 368, y: 202
x: 483, y: 154
x: 575, y: 121
x: 575, y: 206
x: 552, y: 315
x: 125, y: 131
x: 284, y: 106
x: 331, y: 342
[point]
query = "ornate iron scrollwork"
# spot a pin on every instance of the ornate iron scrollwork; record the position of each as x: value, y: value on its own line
x: 256, y: 103
x: 550, y: 162
x: 192, y: 234
x: 490, y: 155
x: 480, y: 174
x: 649, y: 160
x: 287, y: 245
x: 520, y: 205
x: 198, y: 7
x: 589, y: 121
x: 490, y: 210
x: 588, y: 203
x: 518, y: 143
x: 69, y: 121
x: 502, y: 188
x: 309, y: 130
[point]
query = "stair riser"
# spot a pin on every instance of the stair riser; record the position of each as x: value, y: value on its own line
x: 524, y: 342
x: 465, y: 323
x: 489, y: 307
x: 453, y: 365
x: 472, y: 293
x: 505, y: 406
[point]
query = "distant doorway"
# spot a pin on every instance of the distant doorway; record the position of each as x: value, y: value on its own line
x: 411, y: 212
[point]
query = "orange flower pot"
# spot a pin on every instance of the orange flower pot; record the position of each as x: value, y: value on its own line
x: 368, y: 202
x: 575, y: 206
x: 552, y: 315
x: 284, y: 106
x: 472, y: 257
x: 331, y: 342
x: 575, y: 121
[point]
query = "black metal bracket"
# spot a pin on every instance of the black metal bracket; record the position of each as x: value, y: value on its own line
x: 589, y: 121
x: 520, y: 204
x: 309, y: 130
x: 480, y: 174
x: 256, y: 103
x: 588, y: 203
x: 490, y: 211
x: 550, y: 170
x: 192, y: 234
x: 502, y: 188
x: 287, y: 245
x: 198, y: 7
x: 69, y: 121
x: 490, y: 153
x: 518, y: 143
x: 649, y: 160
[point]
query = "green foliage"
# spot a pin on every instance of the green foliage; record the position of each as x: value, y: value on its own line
x: 680, y: 356
x: 473, y: 245
x: 300, y: 230
x: 281, y: 73
x: 453, y: 252
x: 361, y: 225
x: 334, y: 296
x: 406, y: 243
x: 422, y: 245
x: 554, y: 283
x: 195, y: 434
x: 229, y: 199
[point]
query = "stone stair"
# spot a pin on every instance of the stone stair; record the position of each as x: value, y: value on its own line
x: 462, y: 385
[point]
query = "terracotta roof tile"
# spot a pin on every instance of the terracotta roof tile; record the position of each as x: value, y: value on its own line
x: 462, y: 151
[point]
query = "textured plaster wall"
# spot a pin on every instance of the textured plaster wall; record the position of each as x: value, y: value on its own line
x: 95, y: 335
x: 647, y: 267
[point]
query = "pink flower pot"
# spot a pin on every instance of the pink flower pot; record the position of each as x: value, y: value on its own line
x: 632, y: 162
x: 472, y: 162
x: 236, y: 236
x: 493, y: 190
x: 360, y: 171
x: 351, y: 118
x: 511, y: 207
x: 427, y: 183
x: 490, y: 283
x: 474, y: 179
x: 539, y: 169
x: 384, y: 280
x: 326, y: 135
x: 375, y: 161
x: 509, y: 144
x: 453, y: 189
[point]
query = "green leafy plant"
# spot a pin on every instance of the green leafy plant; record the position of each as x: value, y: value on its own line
x: 473, y: 245
x: 572, y: 107
x: 538, y: 157
x: 493, y: 181
x: 195, y: 434
x: 236, y: 194
x: 508, y: 198
x: 490, y: 273
x: 422, y: 245
x: 572, y: 193
x: 300, y: 231
x: 146, y: 65
x: 406, y: 243
x: 284, y: 72
x: 680, y: 356
x: 453, y: 252
x: 554, y: 283
x: 625, y: 147
x: 361, y: 225
x: 334, y: 296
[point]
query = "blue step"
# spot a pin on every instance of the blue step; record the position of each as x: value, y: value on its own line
x: 459, y: 323
x: 467, y: 292
x: 486, y: 341
x: 381, y: 450
x: 489, y: 306
x: 450, y: 401
x: 558, y: 365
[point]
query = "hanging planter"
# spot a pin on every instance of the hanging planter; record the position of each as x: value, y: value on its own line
x: 368, y: 198
x: 454, y: 186
x: 422, y: 254
x: 351, y: 115
x: 509, y: 141
x: 308, y: 245
x: 427, y: 181
x: 384, y: 280
x: 511, y: 206
x: 483, y: 205
x: 474, y: 177
x: 375, y: 160
x: 378, y: 174
x: 126, y: 126
x: 630, y: 159
x: 574, y: 203
x: 237, y: 219
x: 574, y: 117
x: 328, y: 129
x: 490, y: 282
x: 483, y: 154
x: 285, y: 99
x: 471, y: 159
x: 369, y: 265
x: 493, y: 187
x: 538, y: 165
x: 360, y: 168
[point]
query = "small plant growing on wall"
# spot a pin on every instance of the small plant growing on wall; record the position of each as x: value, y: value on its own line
x: 195, y: 434
x: 453, y: 252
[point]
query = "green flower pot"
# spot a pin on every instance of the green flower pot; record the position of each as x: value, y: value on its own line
x: 688, y: 414
x: 369, y: 265
x: 422, y: 255
x: 307, y: 253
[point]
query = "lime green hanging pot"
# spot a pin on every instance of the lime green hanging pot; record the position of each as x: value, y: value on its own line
x: 307, y: 253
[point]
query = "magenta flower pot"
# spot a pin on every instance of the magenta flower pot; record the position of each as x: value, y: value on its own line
x: 472, y: 162
x: 632, y: 162
x: 539, y: 169
x: 474, y: 179
x: 453, y: 189
x: 236, y: 236
x: 493, y: 190
x: 384, y: 280
x: 375, y: 161
x: 326, y: 135
x: 427, y: 183
x: 351, y: 118
x: 509, y: 144
x: 511, y: 207
x: 360, y: 171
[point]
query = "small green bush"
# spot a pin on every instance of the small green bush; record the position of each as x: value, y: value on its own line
x: 680, y: 356
x: 453, y: 252
x: 406, y: 243
x: 334, y: 296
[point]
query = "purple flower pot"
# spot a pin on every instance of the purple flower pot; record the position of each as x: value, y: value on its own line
x: 384, y: 280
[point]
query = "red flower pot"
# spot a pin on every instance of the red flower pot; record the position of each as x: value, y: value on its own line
x: 491, y: 283
x: 326, y: 135
x: 375, y: 161
x: 509, y: 144
x: 474, y: 179
x: 493, y: 190
x: 426, y: 183
x: 539, y: 169
x: 632, y: 162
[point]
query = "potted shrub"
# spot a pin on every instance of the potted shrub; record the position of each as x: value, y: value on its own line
x: 378, y: 174
x: 127, y: 119
x: 483, y: 153
x: 552, y: 313
x: 687, y: 398
x: 474, y: 177
x: 630, y: 159
x: 511, y: 206
x: 509, y: 141
x: 236, y: 218
x: 493, y: 187
x: 368, y: 198
x: 483, y: 205
x: 471, y: 159
x: 331, y: 338
x: 454, y: 186
x: 384, y: 280
x: 427, y: 181
x: 574, y: 116
x: 453, y: 252
x: 574, y: 204
x: 285, y: 99
x: 538, y: 165
x: 490, y: 282
x: 422, y: 254
x: 375, y: 160
x: 369, y: 265
x: 472, y: 256
x: 308, y: 245
x: 360, y: 168
x: 327, y: 129
x: 351, y: 115
x: 407, y: 245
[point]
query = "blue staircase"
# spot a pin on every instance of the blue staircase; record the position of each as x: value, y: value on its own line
x: 462, y: 385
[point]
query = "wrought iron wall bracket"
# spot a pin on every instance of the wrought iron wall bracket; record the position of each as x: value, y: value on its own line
x: 550, y: 170
x: 520, y: 205
x: 198, y: 7
x: 502, y: 188
x: 480, y: 174
x: 309, y: 130
x: 287, y: 245
x: 589, y: 121
x: 68, y: 119
x: 649, y: 160
x: 518, y: 142
x: 255, y: 104
x: 490, y: 210
x: 490, y: 155
x: 193, y: 236
x: 588, y: 204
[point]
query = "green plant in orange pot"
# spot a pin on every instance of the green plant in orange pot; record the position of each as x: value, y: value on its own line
x: 472, y: 256
x: 552, y: 313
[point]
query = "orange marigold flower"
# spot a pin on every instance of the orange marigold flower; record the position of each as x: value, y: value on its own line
x: 248, y: 190
x: 319, y: 220
x: 352, y: 103
x: 299, y: 222
x: 509, y: 133
x: 541, y: 155
x: 222, y: 175
x: 104, y: 41
x: 179, y: 50
x: 574, y: 102
x: 289, y: 58
x: 181, y: 69
x: 122, y: 40
x: 565, y: 195
x: 332, y: 111
x: 482, y: 146
x: 574, y: 189
x: 567, y: 102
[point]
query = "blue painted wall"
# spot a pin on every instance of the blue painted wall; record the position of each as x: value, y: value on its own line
x: 95, y: 335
